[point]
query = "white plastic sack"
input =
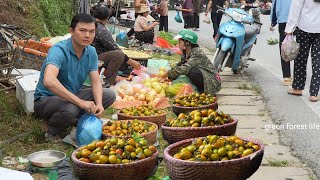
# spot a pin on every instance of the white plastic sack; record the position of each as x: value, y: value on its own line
x: 206, y: 20
x: 289, y: 48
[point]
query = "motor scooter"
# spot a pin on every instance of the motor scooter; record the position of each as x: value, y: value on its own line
x: 235, y: 40
x: 254, y: 10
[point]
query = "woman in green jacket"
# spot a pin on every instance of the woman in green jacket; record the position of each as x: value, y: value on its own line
x: 195, y: 64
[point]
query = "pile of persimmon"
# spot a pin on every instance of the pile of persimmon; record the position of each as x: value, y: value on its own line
x: 143, y: 110
x: 194, y: 100
x: 115, y: 151
x: 215, y: 148
x: 127, y: 128
x: 199, y: 118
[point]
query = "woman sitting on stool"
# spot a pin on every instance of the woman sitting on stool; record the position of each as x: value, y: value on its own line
x: 143, y: 31
x: 195, y: 64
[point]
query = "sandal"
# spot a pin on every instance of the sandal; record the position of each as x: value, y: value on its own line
x: 287, y: 81
x: 314, y: 98
x: 295, y: 92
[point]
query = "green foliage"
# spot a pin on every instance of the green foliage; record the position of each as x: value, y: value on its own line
x: 168, y: 36
x: 50, y: 17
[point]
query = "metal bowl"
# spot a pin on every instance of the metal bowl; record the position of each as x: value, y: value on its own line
x: 46, y: 158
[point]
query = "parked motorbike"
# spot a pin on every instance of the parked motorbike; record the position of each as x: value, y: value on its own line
x: 235, y: 40
x: 254, y: 11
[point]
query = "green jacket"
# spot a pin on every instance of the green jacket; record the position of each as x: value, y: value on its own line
x: 199, y: 60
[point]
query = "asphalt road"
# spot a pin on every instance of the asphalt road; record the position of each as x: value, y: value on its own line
x: 299, y: 118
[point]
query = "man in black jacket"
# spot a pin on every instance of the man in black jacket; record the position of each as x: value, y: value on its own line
x: 107, y: 49
x: 215, y: 17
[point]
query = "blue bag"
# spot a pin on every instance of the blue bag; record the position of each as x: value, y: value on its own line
x: 89, y: 128
x: 122, y: 39
x: 178, y: 17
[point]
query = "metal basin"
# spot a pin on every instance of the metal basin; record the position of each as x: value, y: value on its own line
x: 47, y: 158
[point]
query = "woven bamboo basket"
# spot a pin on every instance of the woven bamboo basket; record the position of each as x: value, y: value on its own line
x: 181, y: 109
x: 175, y: 134
x: 235, y: 169
x: 151, y: 137
x: 137, y: 170
x: 159, y: 119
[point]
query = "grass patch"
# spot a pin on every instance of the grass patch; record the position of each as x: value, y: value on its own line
x: 257, y: 88
x: 244, y: 86
x: 278, y: 163
x: 312, y: 177
x: 15, y: 122
x: 261, y: 114
x: 50, y: 17
x: 251, y: 86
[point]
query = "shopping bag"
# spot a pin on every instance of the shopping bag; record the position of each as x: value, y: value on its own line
x: 162, y: 42
x: 206, y: 20
x: 122, y: 39
x: 89, y: 128
x: 289, y: 48
x: 178, y: 17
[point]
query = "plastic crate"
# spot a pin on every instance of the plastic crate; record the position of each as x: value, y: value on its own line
x: 25, y: 88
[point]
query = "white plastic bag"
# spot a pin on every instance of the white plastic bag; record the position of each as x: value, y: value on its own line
x: 289, y: 48
x: 206, y: 20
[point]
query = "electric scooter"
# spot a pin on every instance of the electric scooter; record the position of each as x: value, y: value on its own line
x: 235, y: 40
x: 254, y: 10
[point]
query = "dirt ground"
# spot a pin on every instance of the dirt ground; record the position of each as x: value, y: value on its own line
x: 14, y: 12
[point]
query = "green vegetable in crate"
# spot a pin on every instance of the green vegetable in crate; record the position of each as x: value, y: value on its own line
x: 272, y: 40
x: 143, y: 110
x: 194, y: 100
x: 125, y: 128
x: 215, y: 148
x: 199, y: 118
x: 115, y: 151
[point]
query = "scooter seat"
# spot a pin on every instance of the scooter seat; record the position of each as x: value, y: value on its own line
x: 251, y: 30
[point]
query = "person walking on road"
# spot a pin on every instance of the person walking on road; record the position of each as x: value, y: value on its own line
x: 279, y: 15
x: 187, y: 13
x: 304, y: 17
x: 163, y: 11
x: 215, y: 17
x: 196, y: 14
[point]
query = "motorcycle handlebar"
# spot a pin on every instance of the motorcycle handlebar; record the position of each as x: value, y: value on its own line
x: 258, y: 22
x: 221, y: 8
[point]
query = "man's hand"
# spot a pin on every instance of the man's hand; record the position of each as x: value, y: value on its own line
x: 99, y: 111
x: 89, y: 106
x: 164, y: 75
x: 134, y: 64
